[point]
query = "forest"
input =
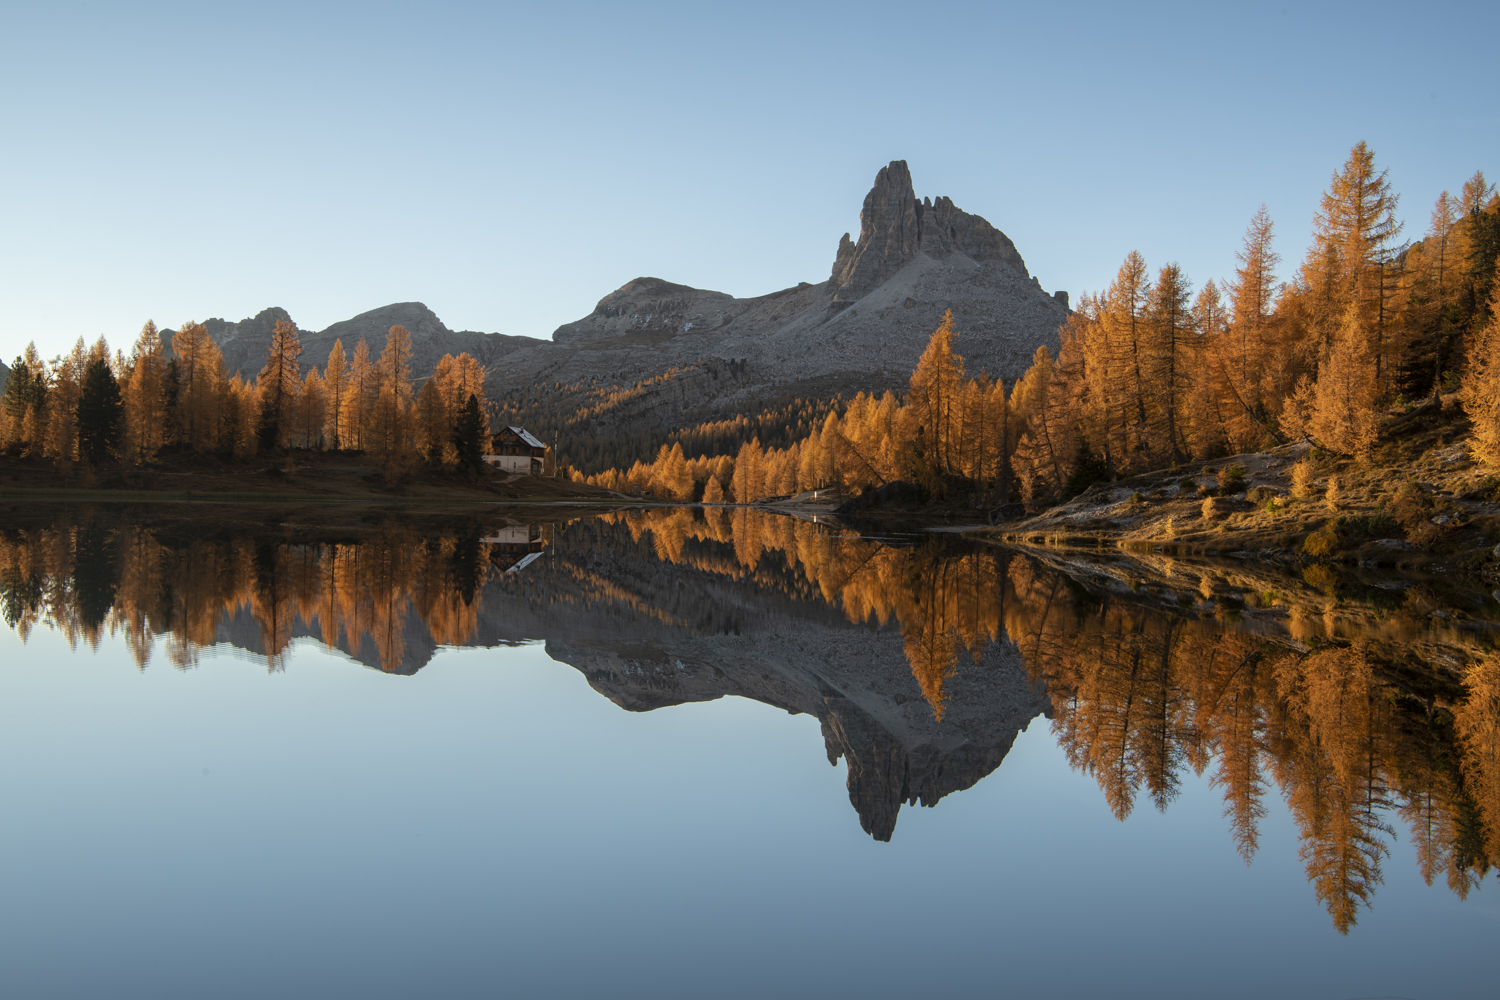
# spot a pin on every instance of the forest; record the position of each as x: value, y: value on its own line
x: 92, y: 407
x: 1366, y: 333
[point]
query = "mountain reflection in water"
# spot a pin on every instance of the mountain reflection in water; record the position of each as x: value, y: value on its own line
x: 1365, y: 703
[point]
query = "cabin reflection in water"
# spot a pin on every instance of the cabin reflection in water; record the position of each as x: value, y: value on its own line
x: 1365, y: 702
x: 514, y: 547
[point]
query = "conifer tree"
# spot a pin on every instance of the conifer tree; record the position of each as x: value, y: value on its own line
x: 203, y: 393
x: 1251, y: 300
x: 468, y: 435
x: 1354, y: 234
x: 1170, y: 358
x: 934, y: 396
x: 100, y: 413
x: 434, y: 428
x: 279, y: 383
x: 392, y: 416
x: 336, y: 391
x: 312, y: 410
x: 1480, y: 386
x: 1124, y: 315
x: 363, y: 393
x: 65, y: 385
x: 145, y: 397
x: 1343, y: 415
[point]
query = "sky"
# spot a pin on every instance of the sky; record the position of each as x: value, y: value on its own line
x: 510, y: 166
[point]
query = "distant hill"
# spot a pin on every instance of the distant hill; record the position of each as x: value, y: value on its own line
x: 861, y: 329
x: 244, y: 343
x: 4, y: 375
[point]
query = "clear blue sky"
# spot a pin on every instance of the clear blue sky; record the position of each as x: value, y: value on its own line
x: 511, y: 166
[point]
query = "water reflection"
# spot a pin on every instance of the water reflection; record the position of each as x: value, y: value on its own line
x: 1366, y: 703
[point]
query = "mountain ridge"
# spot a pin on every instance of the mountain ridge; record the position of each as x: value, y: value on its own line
x: 861, y: 329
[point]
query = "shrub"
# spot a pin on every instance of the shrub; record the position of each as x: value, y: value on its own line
x: 1413, y: 505
x: 1231, y: 475
x: 1302, y: 479
x: 1323, y: 542
x: 1136, y: 497
x: 1188, y: 483
x: 1331, y: 496
x: 1209, y: 509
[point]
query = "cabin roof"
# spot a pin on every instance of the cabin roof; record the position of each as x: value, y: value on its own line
x: 525, y: 436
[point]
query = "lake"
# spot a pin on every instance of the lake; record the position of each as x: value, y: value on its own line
x: 677, y: 752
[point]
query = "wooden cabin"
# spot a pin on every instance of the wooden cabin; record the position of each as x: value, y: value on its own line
x: 514, y: 449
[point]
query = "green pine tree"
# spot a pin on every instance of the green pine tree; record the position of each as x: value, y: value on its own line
x: 100, y: 413
x: 468, y: 435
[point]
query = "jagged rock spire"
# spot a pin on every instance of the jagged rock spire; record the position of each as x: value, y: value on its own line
x: 894, y: 227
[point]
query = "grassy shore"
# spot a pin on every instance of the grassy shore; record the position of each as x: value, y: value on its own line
x: 297, y: 478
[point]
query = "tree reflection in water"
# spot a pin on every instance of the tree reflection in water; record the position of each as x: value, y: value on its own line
x: 1363, y: 706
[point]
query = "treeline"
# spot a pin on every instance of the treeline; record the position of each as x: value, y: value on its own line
x: 573, y: 415
x: 948, y: 430
x: 94, y: 407
x: 1150, y: 373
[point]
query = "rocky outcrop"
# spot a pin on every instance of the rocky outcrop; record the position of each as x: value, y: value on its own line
x: 946, y: 230
x: 894, y: 227
x: 244, y: 343
x: 889, y: 236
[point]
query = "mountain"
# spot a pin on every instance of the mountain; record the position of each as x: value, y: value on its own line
x: 861, y: 329
x: 244, y: 343
x: 4, y: 375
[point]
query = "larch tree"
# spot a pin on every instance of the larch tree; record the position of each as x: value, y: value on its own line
x: 393, y: 402
x: 1356, y: 228
x: 934, y: 395
x: 1480, y: 386
x: 279, y: 384
x: 312, y: 410
x: 434, y: 427
x: 1252, y: 294
x: 336, y: 391
x: 363, y: 393
x: 1124, y: 316
x: 1170, y: 359
x: 145, y: 397
x: 1480, y: 249
x: 203, y: 387
x: 66, y: 384
x: 1343, y: 415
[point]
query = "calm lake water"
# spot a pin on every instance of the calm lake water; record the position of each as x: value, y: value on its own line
x: 525, y: 753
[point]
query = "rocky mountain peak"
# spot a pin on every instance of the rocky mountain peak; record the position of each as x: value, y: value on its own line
x: 894, y: 227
